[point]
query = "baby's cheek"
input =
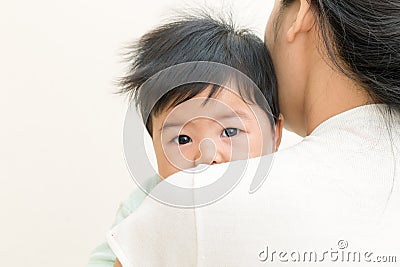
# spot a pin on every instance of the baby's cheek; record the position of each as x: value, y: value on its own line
x: 260, y: 144
x: 164, y: 164
x: 186, y: 153
x: 240, y: 147
x: 168, y: 172
x: 166, y: 168
x: 175, y: 159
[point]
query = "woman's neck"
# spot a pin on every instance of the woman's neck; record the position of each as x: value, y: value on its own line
x: 329, y: 92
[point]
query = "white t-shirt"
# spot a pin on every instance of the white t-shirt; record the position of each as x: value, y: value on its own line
x: 334, y: 198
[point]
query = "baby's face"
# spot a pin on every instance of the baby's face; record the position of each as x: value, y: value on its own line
x: 225, y: 128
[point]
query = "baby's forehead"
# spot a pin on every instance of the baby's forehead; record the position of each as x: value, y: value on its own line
x: 223, y: 100
x: 218, y: 108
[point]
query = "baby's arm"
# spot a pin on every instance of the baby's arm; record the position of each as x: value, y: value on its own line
x: 102, y: 256
x: 117, y: 263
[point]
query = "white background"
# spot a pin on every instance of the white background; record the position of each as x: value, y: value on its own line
x: 62, y: 170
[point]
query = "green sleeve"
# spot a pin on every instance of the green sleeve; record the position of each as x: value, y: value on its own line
x: 102, y: 255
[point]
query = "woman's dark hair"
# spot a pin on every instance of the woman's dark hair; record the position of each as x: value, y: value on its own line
x: 362, y: 38
x: 194, y: 38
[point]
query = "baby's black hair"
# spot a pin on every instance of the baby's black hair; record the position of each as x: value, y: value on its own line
x: 194, y: 38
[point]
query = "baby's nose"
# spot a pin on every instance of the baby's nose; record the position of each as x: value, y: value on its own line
x: 207, y: 153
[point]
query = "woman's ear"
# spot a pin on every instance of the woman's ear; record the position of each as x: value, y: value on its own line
x: 304, y: 20
x: 278, y: 132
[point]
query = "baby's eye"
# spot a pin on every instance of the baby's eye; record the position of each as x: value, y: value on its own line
x: 229, y: 132
x: 182, y: 139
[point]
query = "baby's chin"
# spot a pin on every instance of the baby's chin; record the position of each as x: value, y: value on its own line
x: 165, y: 173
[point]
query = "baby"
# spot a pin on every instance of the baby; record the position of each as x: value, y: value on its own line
x: 201, y: 122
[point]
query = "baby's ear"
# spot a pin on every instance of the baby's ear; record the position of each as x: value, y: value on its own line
x: 278, y: 131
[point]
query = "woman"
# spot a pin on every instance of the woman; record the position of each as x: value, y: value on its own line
x: 338, y: 65
x: 316, y: 36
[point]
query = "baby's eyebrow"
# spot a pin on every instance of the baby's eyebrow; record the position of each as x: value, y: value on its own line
x: 234, y: 114
x: 171, y: 125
